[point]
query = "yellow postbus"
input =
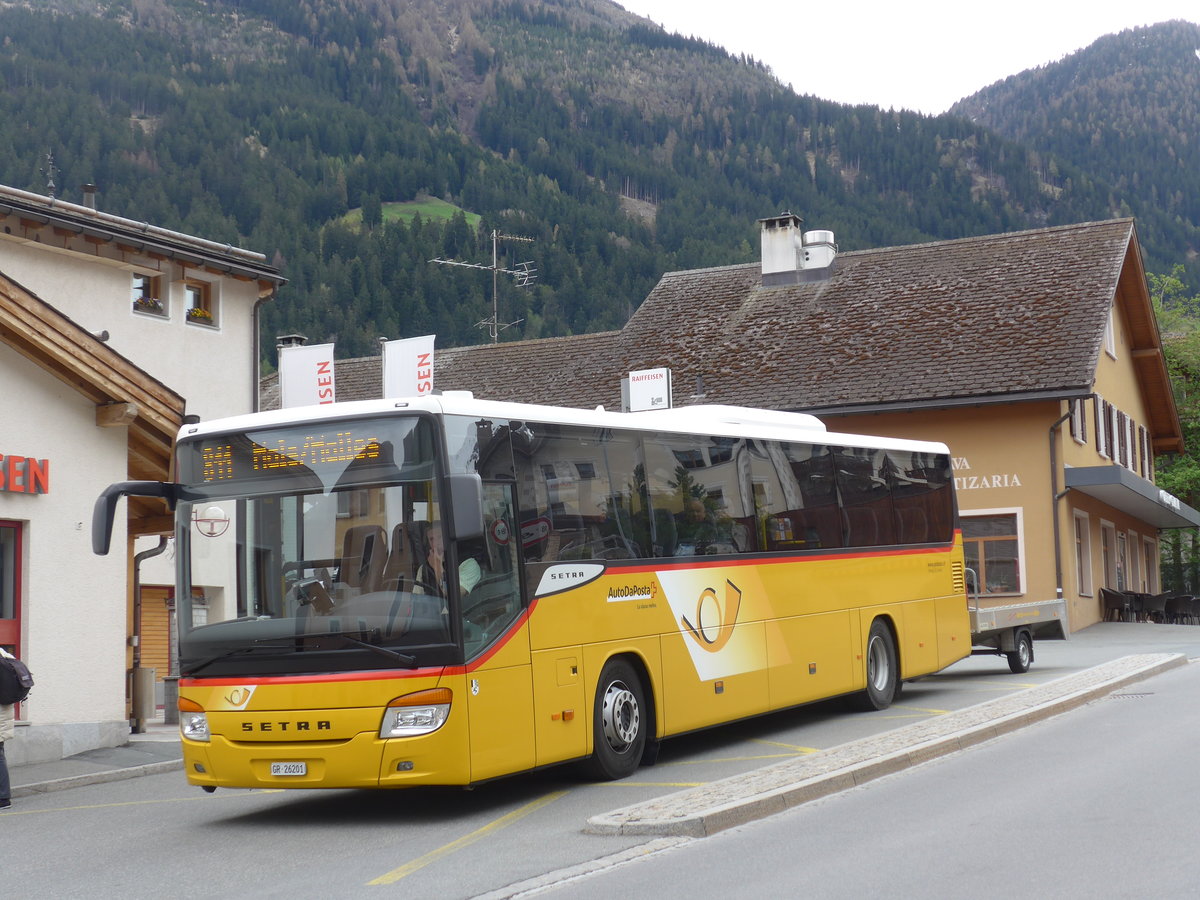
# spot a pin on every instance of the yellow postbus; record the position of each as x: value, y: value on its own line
x: 444, y: 590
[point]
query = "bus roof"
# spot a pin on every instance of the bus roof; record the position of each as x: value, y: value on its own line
x: 714, y: 420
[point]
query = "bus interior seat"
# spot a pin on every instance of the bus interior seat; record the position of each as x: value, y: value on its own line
x: 364, y: 555
x: 399, y: 570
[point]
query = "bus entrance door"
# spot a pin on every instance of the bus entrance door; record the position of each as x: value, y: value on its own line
x: 499, y: 683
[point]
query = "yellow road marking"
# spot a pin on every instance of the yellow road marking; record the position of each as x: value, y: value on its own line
x: 795, y: 747
x: 433, y: 855
x: 936, y: 712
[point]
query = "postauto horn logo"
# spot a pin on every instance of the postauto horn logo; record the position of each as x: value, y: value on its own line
x: 711, y: 625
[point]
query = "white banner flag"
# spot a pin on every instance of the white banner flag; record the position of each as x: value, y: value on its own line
x: 306, y: 375
x: 408, y: 367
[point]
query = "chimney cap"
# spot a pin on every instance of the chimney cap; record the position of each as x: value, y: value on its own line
x: 782, y: 220
x: 290, y: 340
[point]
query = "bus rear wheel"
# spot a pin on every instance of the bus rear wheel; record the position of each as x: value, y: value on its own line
x: 618, y: 722
x: 883, y: 669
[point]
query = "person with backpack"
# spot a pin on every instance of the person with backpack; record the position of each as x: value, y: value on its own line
x: 7, y: 718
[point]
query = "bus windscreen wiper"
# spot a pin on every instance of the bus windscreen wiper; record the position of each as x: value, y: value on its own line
x: 352, y: 637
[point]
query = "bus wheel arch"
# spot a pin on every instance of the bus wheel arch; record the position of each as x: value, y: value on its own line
x: 881, y: 662
x: 622, y: 719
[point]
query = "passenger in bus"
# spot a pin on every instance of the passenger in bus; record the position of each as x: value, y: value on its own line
x: 698, y: 529
x: 431, y: 574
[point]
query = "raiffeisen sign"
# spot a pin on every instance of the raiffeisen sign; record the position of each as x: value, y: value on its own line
x: 24, y: 474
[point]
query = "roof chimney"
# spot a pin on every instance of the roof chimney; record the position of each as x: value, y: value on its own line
x: 89, y: 195
x: 290, y: 340
x: 790, y: 256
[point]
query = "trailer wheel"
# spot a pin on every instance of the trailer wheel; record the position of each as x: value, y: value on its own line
x: 618, y: 722
x: 1021, y: 658
x: 883, y: 670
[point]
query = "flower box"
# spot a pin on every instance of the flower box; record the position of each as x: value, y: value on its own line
x: 149, y: 305
x: 196, y: 314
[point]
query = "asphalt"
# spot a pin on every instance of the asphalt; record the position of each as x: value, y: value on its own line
x: 722, y: 804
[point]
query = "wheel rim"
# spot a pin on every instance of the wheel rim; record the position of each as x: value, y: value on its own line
x: 878, y: 672
x: 621, y: 717
x: 1026, y: 651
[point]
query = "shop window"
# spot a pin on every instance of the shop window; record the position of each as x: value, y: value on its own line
x: 148, y: 295
x: 199, y: 303
x: 991, y: 544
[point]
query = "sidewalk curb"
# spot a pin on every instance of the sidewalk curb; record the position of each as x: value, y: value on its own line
x: 74, y: 781
x: 705, y: 810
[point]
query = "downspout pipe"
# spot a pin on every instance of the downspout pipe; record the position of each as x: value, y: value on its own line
x: 1056, y: 494
x: 256, y: 338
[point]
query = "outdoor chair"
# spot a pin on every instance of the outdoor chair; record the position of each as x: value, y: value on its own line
x: 1116, y: 605
x: 1179, y: 609
x: 1154, y: 607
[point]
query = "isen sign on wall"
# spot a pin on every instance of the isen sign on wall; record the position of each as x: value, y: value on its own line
x: 24, y: 475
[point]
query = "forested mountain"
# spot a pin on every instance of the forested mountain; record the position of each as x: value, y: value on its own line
x: 624, y: 151
x: 1126, y: 110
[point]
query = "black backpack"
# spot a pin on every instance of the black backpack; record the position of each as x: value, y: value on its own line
x: 15, y: 680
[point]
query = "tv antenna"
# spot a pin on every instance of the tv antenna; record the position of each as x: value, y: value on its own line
x: 523, y: 273
x: 49, y: 171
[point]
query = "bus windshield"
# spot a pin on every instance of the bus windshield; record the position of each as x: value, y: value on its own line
x: 330, y: 536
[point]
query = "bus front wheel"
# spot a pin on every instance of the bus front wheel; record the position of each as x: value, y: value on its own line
x: 883, y: 669
x: 618, y: 722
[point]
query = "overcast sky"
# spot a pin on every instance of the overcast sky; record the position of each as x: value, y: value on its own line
x: 921, y: 56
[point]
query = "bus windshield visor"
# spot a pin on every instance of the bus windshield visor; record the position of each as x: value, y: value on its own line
x: 324, y: 530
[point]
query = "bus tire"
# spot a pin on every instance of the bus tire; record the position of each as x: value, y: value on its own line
x: 883, y: 669
x: 1021, y: 658
x: 619, y: 722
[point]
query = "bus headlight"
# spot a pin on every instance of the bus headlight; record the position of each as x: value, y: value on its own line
x: 415, y: 714
x: 193, y: 720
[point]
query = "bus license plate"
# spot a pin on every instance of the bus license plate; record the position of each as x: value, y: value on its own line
x: 289, y: 768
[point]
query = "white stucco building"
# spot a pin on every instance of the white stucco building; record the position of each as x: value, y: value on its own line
x: 111, y: 331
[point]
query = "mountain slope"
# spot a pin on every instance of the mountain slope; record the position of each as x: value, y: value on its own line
x: 622, y: 150
x: 1127, y: 111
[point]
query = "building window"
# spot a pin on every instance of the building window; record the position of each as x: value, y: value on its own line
x: 1079, y: 421
x: 1145, y: 468
x: 148, y: 297
x: 198, y: 301
x: 586, y: 469
x: 1103, y: 441
x: 1135, y: 564
x: 1150, y: 564
x: 992, y: 547
x: 1122, y: 561
x: 1083, y: 555
x: 1108, y: 553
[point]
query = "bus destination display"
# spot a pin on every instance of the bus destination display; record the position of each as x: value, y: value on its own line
x: 247, y: 456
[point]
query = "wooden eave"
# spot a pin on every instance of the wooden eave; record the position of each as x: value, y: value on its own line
x: 123, y: 394
x: 1149, y: 363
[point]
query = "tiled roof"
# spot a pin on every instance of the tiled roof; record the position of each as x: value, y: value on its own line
x: 1000, y: 317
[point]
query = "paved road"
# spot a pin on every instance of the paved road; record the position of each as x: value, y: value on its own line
x: 1099, y: 802
x: 496, y: 841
